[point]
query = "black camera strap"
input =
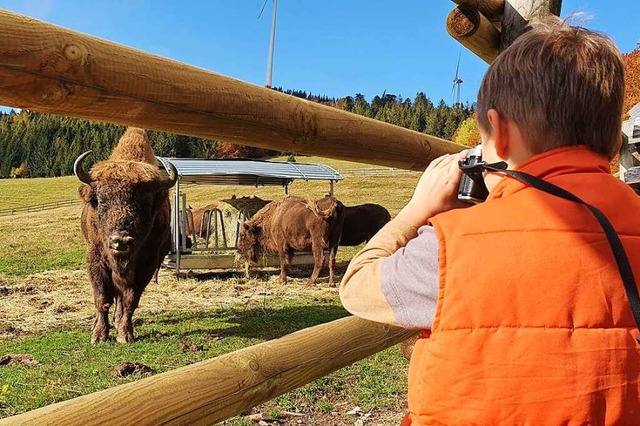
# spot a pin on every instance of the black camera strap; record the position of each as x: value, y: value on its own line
x: 626, y: 273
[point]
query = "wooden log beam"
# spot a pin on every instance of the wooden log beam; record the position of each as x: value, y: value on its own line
x: 214, y: 390
x: 54, y: 70
x: 491, y: 9
x: 475, y: 32
x: 519, y: 14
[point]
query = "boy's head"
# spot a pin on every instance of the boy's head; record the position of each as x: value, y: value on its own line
x: 559, y: 85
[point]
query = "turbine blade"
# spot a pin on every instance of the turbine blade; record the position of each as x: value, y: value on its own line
x: 262, y: 10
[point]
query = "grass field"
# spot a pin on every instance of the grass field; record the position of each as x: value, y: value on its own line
x: 47, y: 310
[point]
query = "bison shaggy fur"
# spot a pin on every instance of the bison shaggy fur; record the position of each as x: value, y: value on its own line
x: 126, y: 224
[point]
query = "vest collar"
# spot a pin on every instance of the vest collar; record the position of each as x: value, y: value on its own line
x: 553, y: 163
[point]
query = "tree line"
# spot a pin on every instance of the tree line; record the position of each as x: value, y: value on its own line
x: 44, y: 145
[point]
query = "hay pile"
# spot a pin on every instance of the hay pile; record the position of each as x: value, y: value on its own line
x: 230, y: 208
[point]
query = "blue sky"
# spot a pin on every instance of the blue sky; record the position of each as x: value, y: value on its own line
x: 334, y: 48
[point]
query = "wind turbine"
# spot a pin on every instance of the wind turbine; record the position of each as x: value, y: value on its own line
x: 272, y: 41
x: 457, y: 82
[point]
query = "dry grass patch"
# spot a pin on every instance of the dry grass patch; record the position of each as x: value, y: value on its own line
x: 57, y: 300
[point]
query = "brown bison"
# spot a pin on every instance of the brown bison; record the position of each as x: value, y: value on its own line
x: 202, y: 215
x: 362, y: 222
x: 294, y: 224
x: 199, y: 219
x: 126, y: 224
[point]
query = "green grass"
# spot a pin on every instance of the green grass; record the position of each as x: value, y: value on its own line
x: 28, y: 192
x: 70, y: 366
x: 41, y: 241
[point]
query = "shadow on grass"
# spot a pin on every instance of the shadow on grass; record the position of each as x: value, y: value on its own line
x: 255, y: 323
x: 299, y: 271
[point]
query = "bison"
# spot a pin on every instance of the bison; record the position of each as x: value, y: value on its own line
x: 197, y: 224
x: 126, y: 224
x: 294, y: 224
x: 362, y: 222
x: 199, y: 220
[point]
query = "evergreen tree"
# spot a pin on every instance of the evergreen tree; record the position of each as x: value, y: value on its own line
x: 47, y: 145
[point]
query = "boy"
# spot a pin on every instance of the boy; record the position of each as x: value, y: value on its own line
x: 524, y: 315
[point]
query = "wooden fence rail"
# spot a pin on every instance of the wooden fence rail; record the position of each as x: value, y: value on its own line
x: 50, y: 69
x: 214, y: 390
x: 38, y: 207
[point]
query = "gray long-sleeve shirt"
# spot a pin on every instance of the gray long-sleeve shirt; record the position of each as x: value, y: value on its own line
x: 394, y: 278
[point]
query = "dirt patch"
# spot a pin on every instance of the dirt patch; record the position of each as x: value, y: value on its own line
x: 191, y: 347
x: 130, y: 369
x: 18, y: 359
x: 341, y: 415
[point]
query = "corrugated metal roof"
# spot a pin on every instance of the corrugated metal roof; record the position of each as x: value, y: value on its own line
x: 249, y: 172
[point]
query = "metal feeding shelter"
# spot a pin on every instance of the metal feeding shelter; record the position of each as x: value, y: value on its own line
x: 218, y: 249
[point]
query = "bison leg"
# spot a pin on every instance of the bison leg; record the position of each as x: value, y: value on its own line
x: 100, y: 331
x: 332, y: 265
x: 103, y: 293
x: 118, y: 310
x: 318, y: 257
x: 129, y: 303
x: 285, y: 262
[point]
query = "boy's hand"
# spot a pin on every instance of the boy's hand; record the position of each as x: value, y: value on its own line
x: 436, y: 192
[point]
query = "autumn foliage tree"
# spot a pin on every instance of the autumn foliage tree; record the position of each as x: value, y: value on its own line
x: 467, y: 133
x: 632, y: 91
x: 632, y: 84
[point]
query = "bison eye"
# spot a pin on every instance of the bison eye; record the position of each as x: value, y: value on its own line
x: 99, y: 203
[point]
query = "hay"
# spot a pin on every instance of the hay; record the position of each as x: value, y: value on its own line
x: 230, y: 209
x: 57, y: 300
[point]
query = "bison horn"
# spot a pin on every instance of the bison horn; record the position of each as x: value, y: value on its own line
x: 171, y: 171
x: 79, y: 171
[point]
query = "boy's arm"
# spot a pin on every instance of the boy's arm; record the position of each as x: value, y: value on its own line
x: 394, y: 279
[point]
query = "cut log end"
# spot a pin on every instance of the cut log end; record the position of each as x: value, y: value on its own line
x: 463, y: 21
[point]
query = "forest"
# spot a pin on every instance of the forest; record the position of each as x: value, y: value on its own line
x: 43, y: 145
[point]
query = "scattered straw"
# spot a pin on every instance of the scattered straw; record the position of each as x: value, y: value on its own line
x: 63, y: 299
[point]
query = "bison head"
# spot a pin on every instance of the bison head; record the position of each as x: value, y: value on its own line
x: 250, y: 241
x: 122, y: 200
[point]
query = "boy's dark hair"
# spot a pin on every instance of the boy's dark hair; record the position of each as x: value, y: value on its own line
x: 561, y: 85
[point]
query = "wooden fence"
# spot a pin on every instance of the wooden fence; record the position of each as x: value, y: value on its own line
x: 38, y: 207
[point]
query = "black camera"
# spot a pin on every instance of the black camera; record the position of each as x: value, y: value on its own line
x: 472, y: 188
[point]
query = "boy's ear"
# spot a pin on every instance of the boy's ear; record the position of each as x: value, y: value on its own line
x: 500, y: 133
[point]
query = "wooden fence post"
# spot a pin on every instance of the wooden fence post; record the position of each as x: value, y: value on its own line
x: 518, y: 14
x: 487, y: 27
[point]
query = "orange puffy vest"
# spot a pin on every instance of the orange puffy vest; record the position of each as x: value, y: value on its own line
x: 533, y: 325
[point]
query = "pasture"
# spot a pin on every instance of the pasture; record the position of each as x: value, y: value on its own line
x: 47, y: 310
